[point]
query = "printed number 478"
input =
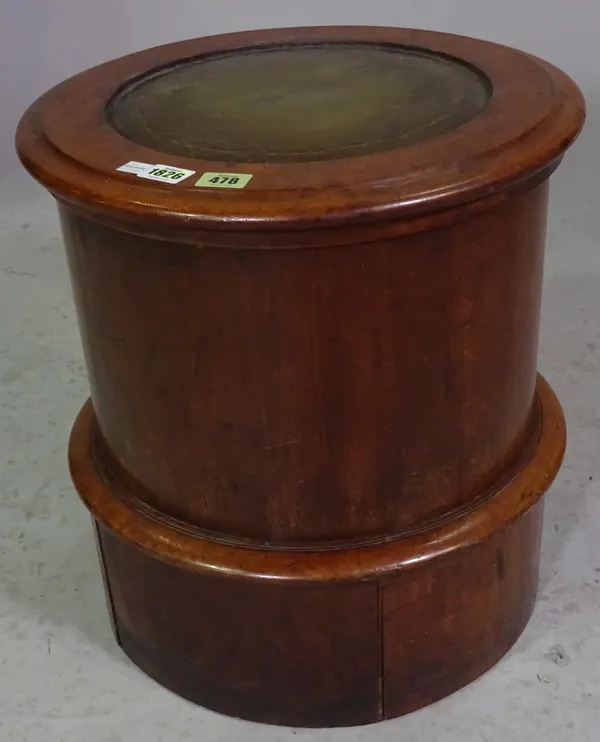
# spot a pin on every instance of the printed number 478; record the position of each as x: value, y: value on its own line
x: 222, y: 180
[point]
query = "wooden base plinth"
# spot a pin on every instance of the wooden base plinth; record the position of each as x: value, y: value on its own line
x: 322, y: 638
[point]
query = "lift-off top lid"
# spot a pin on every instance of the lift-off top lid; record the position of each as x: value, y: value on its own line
x: 299, y: 128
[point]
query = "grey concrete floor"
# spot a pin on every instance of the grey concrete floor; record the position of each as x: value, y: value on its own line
x: 61, y: 675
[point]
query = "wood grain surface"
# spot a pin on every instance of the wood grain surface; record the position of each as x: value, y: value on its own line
x: 317, y: 443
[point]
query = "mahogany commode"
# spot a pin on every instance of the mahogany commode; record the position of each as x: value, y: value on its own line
x: 307, y: 267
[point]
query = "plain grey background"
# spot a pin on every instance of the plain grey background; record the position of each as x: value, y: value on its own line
x: 61, y: 675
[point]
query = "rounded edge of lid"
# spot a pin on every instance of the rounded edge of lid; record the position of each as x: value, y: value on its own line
x: 55, y: 146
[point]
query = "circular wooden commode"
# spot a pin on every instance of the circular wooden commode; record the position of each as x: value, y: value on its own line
x: 307, y: 267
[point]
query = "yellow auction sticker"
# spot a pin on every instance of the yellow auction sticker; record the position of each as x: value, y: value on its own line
x: 224, y: 180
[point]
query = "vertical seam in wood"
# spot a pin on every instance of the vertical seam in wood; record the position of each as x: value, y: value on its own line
x: 381, y: 649
x: 107, y: 589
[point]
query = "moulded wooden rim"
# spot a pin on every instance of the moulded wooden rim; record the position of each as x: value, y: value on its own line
x: 536, y: 111
x: 186, y: 551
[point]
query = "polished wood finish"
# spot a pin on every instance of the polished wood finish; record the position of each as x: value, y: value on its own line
x: 308, y: 654
x: 317, y: 442
x: 288, y: 451
x: 345, y: 636
x: 66, y: 142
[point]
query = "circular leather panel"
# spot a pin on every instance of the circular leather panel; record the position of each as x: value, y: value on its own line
x: 299, y: 103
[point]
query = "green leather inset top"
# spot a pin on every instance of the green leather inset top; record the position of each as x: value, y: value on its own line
x: 299, y: 103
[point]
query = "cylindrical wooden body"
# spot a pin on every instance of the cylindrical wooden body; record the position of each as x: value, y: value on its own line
x: 314, y: 396
x: 319, y: 399
x: 317, y: 442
